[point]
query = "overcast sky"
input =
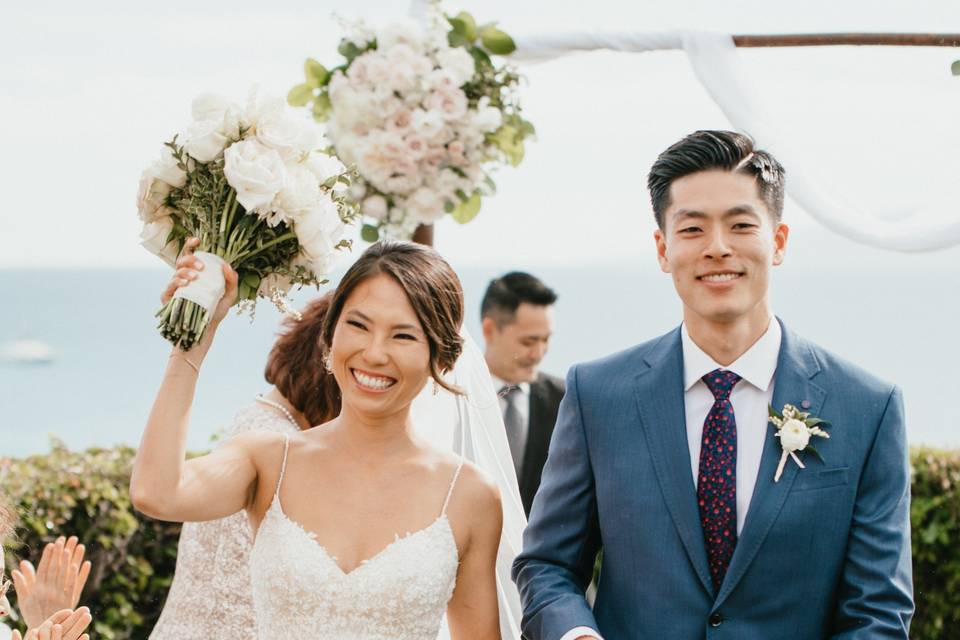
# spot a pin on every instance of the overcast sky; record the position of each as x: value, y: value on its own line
x: 88, y: 91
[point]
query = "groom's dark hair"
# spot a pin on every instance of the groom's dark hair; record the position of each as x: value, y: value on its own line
x: 716, y: 150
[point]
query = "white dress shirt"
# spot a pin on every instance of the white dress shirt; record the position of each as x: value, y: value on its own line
x: 750, y: 399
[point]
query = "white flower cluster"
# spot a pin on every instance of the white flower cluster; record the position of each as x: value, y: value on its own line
x: 400, y: 114
x: 272, y: 157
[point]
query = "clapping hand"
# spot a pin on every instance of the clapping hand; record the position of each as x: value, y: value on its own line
x: 56, y: 583
x: 63, y: 625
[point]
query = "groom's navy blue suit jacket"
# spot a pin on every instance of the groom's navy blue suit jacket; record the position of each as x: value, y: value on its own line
x: 824, y: 553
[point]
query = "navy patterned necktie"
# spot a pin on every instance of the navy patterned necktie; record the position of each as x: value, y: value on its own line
x: 717, y: 476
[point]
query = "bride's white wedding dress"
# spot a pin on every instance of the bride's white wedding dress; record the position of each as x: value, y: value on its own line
x: 401, y: 593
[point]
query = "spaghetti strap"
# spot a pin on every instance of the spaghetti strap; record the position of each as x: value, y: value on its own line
x: 456, y: 474
x: 283, y: 465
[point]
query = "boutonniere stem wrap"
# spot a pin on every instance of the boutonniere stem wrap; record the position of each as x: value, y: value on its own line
x: 795, y: 429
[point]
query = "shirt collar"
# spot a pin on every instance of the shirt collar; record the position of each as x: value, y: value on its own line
x: 499, y: 384
x: 757, y: 365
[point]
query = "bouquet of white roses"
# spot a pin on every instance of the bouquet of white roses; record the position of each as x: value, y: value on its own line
x: 424, y: 113
x: 257, y: 188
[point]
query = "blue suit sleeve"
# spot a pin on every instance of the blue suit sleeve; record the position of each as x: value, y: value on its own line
x: 875, y: 595
x: 563, y: 536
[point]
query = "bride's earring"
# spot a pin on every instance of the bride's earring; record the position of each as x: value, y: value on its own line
x: 328, y: 362
x: 436, y: 388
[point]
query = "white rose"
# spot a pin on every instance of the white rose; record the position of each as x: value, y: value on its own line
x: 374, y: 206
x: 458, y: 63
x: 425, y: 205
x: 416, y: 147
x: 404, y: 31
x: 450, y: 103
x: 167, y: 169
x: 794, y: 435
x: 209, y: 106
x: 258, y: 106
x: 428, y: 123
x: 324, y: 166
x: 205, y: 140
x: 287, y: 133
x: 153, y: 238
x: 319, y: 230
x: 299, y: 194
x: 406, y: 68
x: 256, y: 172
x: 448, y: 182
x: 151, y: 197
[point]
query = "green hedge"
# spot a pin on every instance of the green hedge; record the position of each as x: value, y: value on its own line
x: 85, y: 494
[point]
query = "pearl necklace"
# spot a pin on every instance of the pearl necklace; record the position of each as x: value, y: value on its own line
x: 279, y: 406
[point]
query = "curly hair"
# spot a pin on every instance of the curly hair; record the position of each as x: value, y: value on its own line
x: 295, y: 365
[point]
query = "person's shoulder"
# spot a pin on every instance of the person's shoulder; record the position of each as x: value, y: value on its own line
x: 258, y: 417
x: 549, y: 382
x: 477, y: 489
x: 259, y: 442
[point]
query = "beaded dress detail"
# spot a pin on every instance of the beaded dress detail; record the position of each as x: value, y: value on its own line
x: 211, y: 595
x: 401, y: 593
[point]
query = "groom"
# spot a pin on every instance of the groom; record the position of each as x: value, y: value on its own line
x: 664, y: 457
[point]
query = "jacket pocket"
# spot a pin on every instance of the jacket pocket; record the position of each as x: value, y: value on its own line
x: 810, y: 479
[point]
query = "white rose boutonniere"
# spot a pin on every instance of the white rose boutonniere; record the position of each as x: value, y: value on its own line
x: 795, y: 428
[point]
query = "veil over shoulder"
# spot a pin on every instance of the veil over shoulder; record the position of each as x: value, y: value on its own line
x: 472, y: 425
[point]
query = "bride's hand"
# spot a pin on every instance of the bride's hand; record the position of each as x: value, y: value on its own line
x: 188, y: 269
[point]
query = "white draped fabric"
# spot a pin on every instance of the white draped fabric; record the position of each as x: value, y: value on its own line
x: 716, y: 64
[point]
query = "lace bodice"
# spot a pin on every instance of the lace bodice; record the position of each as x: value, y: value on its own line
x: 210, y: 596
x: 401, y: 593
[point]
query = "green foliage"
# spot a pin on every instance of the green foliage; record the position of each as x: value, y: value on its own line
x: 935, y: 518
x: 85, y: 494
x: 955, y: 68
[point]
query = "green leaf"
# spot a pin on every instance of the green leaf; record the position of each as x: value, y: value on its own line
x: 322, y: 107
x: 955, y: 68
x: 814, y: 451
x: 497, y: 42
x: 449, y: 206
x: 252, y: 280
x: 315, y: 73
x: 773, y: 413
x: 455, y: 39
x: 469, y: 25
x: 369, y: 233
x: 491, y: 185
x: 300, y: 95
x: 468, y: 209
x: 481, y: 58
x: 812, y: 422
x: 349, y: 50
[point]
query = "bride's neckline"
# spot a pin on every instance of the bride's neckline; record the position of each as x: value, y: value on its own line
x: 441, y: 519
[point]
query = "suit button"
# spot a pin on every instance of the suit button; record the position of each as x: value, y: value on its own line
x: 716, y: 620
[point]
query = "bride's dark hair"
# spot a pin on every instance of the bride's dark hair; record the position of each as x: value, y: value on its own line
x: 432, y: 287
x: 295, y: 365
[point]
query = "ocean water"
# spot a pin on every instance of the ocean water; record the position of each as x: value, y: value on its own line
x: 901, y: 323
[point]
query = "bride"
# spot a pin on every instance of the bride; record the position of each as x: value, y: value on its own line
x: 363, y: 529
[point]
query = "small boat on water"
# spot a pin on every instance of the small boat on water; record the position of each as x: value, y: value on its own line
x: 27, y: 352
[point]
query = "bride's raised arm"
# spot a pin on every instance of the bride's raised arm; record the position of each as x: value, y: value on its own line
x: 164, y: 485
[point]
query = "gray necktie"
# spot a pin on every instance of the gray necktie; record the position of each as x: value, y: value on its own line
x: 513, y: 421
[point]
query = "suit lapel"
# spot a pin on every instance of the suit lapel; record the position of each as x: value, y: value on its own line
x: 796, y: 365
x: 660, y: 404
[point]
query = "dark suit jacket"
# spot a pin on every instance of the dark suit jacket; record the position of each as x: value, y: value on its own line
x: 546, y: 392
